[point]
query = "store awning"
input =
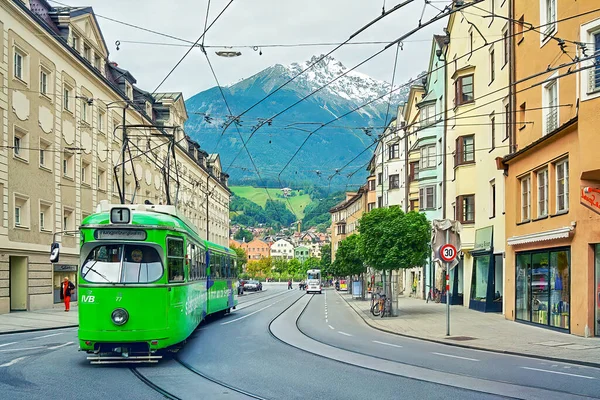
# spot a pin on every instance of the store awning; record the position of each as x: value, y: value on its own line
x: 560, y: 233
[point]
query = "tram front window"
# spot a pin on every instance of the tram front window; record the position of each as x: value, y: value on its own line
x: 314, y: 275
x: 122, y: 264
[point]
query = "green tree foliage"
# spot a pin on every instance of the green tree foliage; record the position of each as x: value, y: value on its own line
x: 242, y: 257
x: 326, y: 259
x: 294, y: 267
x: 277, y: 211
x: 311, y: 263
x: 259, y: 268
x: 243, y: 234
x: 317, y: 212
x: 280, y: 265
x: 348, y: 258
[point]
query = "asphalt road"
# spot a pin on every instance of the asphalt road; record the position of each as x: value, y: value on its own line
x: 238, y: 357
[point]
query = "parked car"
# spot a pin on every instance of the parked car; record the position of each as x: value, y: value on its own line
x: 253, y: 285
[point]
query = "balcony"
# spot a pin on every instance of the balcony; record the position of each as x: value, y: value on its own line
x: 551, y: 120
x: 594, y: 80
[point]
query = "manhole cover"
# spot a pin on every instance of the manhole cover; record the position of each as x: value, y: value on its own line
x: 461, y: 338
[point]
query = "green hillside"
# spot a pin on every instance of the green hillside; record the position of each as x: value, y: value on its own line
x: 297, y: 202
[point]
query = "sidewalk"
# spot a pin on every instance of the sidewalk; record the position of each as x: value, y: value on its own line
x: 478, y: 330
x: 52, y: 318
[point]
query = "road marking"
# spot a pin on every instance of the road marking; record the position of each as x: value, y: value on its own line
x: 253, y: 312
x: 59, y: 346
x: 331, y: 327
x: 7, y: 344
x: 13, y: 362
x: 45, y: 336
x: 386, y: 344
x: 23, y: 349
x: 450, y: 355
x: 344, y: 333
x: 559, y: 373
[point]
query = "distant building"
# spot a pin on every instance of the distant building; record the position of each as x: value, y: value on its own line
x: 286, y: 191
x: 257, y: 249
x: 301, y: 253
x: 282, y: 249
x: 345, y: 216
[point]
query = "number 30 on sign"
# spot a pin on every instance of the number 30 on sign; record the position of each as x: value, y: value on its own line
x: 448, y: 252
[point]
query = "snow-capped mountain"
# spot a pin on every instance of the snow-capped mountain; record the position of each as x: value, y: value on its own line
x: 273, y: 145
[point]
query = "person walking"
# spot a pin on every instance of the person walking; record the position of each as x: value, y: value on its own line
x: 65, y: 293
x: 289, y: 284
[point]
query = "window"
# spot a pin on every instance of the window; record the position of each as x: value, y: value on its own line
x: 101, y: 118
x: 492, y: 131
x: 413, y: 170
x: 370, y: 206
x: 380, y: 178
x: 87, y: 52
x: 542, y: 192
x: 470, y: 43
x: 493, y: 199
x: 175, y: 260
x: 463, y: 90
x: 465, y: 150
x: 379, y: 202
x: 84, y: 111
x: 551, y: 105
x: 75, y: 41
x: 394, y: 181
x: 372, y: 184
x: 68, y: 222
x: 427, y: 198
x: 506, y: 45
x: 594, y: 74
x: 548, y: 18
x: 149, y: 109
x: 19, y: 65
x: 466, y: 209
x: 45, y: 216
x: 492, y: 65
x: 427, y: 115
x: 85, y: 173
x: 562, y: 186
x: 413, y: 205
x: 17, y: 145
x: 68, y: 165
x: 522, y: 109
x: 45, y: 162
x: 525, y: 199
x: 66, y: 98
x: 97, y: 62
x: 21, y: 211
x: 520, y: 25
x: 118, y: 263
x: 128, y: 90
x: 44, y: 82
x: 21, y: 144
x: 427, y: 157
x: 394, y: 151
x: 101, y: 179
x: 507, y: 120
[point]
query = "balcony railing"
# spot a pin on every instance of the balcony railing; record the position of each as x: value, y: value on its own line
x: 551, y: 120
x: 594, y: 79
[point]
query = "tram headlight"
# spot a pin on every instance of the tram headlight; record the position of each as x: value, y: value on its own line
x: 119, y: 316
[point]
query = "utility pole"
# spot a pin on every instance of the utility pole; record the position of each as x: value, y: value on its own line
x: 123, y: 148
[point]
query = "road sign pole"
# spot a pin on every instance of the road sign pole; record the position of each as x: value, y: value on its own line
x: 447, y: 289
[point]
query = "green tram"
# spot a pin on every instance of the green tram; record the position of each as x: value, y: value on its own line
x: 146, y: 281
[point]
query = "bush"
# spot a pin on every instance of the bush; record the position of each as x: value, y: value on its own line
x: 244, y: 275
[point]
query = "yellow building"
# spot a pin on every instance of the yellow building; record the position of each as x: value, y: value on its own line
x: 553, y: 175
x: 412, y: 116
x: 345, y: 217
x: 476, y: 134
x: 63, y: 104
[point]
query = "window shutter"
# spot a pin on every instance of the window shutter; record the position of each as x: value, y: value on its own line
x: 459, y: 209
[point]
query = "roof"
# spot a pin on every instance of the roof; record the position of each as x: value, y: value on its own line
x: 346, y: 203
x: 89, y: 10
x: 440, y: 40
x: 167, y: 96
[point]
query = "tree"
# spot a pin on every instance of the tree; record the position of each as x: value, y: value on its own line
x: 326, y: 259
x: 244, y: 235
x: 280, y: 265
x: 391, y: 239
x: 348, y: 257
x: 311, y: 263
x: 241, y: 256
x: 260, y: 267
x: 294, y: 267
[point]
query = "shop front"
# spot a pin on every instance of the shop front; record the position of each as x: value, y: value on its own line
x: 543, y: 287
x: 487, y: 277
x: 60, y: 272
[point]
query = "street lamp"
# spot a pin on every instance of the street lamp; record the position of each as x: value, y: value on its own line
x: 228, y: 54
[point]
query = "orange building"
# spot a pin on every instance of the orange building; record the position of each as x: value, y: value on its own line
x: 345, y: 217
x: 552, y: 275
x: 256, y: 249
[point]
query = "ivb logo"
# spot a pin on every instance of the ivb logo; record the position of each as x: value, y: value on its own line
x: 87, y: 299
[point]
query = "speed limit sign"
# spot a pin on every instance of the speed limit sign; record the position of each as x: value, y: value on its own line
x: 448, y: 252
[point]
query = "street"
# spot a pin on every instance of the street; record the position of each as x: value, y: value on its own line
x: 286, y: 344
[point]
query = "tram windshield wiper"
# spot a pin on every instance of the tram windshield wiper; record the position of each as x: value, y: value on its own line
x: 91, y: 268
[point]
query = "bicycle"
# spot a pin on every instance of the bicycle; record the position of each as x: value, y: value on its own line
x: 385, y: 306
x: 375, y: 303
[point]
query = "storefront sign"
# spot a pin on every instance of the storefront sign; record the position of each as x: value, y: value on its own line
x: 590, y: 197
x: 483, y: 239
x: 64, y: 268
x: 119, y: 234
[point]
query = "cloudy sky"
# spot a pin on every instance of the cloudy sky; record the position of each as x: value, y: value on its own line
x: 255, y: 23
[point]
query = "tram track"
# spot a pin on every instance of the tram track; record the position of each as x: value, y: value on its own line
x: 170, y: 395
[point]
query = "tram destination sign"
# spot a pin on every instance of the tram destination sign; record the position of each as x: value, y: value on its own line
x: 120, y: 234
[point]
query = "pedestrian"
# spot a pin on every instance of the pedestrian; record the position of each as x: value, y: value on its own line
x: 289, y: 284
x: 65, y: 293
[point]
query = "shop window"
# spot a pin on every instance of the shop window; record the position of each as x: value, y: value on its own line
x: 562, y: 186
x: 480, y: 278
x: 175, y: 260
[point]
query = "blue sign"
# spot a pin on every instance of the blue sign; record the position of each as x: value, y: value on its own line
x: 356, y: 289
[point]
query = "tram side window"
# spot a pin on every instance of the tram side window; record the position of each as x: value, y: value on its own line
x: 215, y: 265
x: 202, y: 255
x: 175, y: 260
x: 228, y: 266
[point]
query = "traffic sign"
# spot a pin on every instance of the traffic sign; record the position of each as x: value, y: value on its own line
x: 448, y: 252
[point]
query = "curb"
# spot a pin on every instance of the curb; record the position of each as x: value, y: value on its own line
x: 465, y: 346
x: 39, y: 329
